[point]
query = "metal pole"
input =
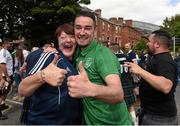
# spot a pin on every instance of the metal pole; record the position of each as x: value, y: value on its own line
x: 174, y: 45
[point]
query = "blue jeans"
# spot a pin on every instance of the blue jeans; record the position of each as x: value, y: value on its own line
x: 17, y: 79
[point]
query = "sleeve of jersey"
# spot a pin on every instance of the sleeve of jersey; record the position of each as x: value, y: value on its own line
x: 2, y: 58
x: 38, y: 61
x: 106, y: 63
x: 165, y: 69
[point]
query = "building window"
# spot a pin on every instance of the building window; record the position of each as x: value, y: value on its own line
x: 120, y: 45
x: 119, y: 28
x: 96, y: 19
x: 95, y: 35
x: 103, y: 25
x: 108, y: 27
x: 103, y: 38
x: 116, y: 39
x: 116, y: 28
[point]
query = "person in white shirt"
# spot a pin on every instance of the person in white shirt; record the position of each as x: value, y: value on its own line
x: 6, y: 66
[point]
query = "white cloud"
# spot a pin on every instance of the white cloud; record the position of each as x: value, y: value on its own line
x: 152, y: 11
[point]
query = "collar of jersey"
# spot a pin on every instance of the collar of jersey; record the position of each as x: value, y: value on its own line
x: 89, y: 48
x: 129, y: 51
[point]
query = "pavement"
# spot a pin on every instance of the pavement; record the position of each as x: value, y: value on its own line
x: 14, y: 112
x: 177, y: 97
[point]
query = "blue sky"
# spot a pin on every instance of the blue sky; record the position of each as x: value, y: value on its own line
x: 174, y: 2
x: 151, y: 11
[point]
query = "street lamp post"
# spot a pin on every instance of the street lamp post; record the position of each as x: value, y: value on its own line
x: 174, y: 45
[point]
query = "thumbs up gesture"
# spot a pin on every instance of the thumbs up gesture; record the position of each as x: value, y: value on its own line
x: 54, y: 75
x: 79, y: 86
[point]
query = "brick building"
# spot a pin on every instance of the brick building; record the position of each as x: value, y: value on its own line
x: 115, y: 30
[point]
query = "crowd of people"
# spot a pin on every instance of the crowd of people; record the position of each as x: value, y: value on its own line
x: 83, y: 82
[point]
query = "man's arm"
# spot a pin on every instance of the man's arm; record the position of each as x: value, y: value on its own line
x: 158, y: 82
x: 79, y: 86
x: 4, y: 71
x: 112, y: 92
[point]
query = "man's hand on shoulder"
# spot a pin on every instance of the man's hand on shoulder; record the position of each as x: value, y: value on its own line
x: 50, y: 49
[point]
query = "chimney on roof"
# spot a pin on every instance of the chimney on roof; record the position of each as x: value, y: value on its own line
x: 113, y: 19
x: 98, y: 12
x: 120, y: 20
x: 128, y: 23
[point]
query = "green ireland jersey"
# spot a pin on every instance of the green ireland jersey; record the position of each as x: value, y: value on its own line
x: 99, y: 62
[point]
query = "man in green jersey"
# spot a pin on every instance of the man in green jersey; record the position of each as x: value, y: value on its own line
x: 98, y: 82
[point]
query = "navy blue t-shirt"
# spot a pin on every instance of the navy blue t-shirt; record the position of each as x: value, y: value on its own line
x: 124, y: 70
x: 132, y: 55
x: 52, y: 105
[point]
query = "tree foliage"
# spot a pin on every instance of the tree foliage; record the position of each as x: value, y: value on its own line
x: 172, y: 25
x: 12, y: 15
x: 141, y: 46
x: 37, y: 20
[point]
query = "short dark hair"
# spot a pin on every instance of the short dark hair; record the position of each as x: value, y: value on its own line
x: 86, y: 13
x: 1, y: 44
x: 7, y: 40
x: 67, y: 28
x: 164, y: 37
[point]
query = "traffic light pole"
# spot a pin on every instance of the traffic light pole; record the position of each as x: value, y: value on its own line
x: 174, y: 45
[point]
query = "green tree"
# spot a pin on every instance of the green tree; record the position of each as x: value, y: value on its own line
x: 140, y: 47
x: 172, y: 25
x: 12, y: 15
x: 36, y: 19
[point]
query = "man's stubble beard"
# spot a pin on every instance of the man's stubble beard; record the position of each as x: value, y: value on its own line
x: 84, y: 46
x: 150, y: 52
